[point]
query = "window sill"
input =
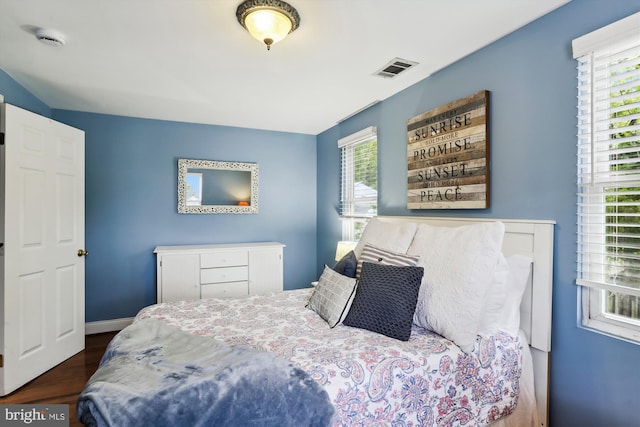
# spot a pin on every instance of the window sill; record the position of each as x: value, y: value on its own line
x: 611, y: 331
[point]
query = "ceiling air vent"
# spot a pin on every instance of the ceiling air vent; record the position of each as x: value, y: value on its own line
x: 395, y: 67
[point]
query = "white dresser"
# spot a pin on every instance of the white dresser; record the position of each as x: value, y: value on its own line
x: 190, y: 272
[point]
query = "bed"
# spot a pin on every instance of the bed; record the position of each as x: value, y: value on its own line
x: 407, y: 343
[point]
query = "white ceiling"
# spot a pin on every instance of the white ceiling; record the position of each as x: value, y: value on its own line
x: 190, y: 60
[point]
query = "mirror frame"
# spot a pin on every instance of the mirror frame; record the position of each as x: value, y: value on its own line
x: 184, y: 164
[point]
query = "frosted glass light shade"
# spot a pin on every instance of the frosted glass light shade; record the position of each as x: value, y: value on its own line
x: 269, y: 21
x: 267, y: 25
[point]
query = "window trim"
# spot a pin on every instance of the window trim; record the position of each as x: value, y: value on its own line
x: 592, y: 309
x: 594, y: 317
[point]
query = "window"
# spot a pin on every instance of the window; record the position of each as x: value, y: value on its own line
x: 194, y: 189
x: 359, y: 181
x: 609, y: 178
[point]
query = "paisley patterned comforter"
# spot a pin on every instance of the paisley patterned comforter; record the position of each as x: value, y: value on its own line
x: 371, y: 379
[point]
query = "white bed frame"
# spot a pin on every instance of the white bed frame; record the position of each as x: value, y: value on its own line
x: 535, y: 240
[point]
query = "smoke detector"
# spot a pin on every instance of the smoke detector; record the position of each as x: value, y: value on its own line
x: 50, y: 37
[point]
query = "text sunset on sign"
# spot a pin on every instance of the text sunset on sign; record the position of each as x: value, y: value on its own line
x: 447, y: 156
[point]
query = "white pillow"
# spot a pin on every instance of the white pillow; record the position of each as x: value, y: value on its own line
x: 519, y: 273
x: 459, y: 263
x: 395, y: 237
x: 493, y: 315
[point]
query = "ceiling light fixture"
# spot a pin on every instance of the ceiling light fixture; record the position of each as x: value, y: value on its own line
x: 268, y: 20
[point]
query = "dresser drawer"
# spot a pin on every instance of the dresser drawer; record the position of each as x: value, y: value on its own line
x: 224, y: 259
x: 225, y: 290
x: 224, y: 274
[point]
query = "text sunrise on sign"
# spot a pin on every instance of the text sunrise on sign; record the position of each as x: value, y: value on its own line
x: 447, y: 156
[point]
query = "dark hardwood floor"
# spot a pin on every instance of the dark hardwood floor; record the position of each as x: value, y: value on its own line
x: 64, y: 383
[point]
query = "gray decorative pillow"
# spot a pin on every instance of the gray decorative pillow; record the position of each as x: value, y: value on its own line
x: 378, y: 255
x: 332, y: 295
x: 385, y: 300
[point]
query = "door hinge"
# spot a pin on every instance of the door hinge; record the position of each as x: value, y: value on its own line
x: 1, y: 138
x: 1, y: 362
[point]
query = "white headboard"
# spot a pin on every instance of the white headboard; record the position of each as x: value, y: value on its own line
x: 533, y: 239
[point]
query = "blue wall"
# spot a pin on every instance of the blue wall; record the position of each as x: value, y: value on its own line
x: 131, y: 202
x: 131, y: 198
x: 595, y: 380
x: 17, y: 95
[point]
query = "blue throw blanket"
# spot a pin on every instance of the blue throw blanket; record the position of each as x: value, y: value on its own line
x: 153, y: 374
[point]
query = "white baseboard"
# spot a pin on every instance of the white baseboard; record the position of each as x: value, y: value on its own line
x: 101, y: 326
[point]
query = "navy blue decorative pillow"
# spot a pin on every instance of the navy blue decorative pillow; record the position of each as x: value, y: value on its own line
x: 386, y: 299
x: 347, y: 265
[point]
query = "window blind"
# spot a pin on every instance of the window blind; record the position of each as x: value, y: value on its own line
x: 608, y: 157
x: 359, y: 174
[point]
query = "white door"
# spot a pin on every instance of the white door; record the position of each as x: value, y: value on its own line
x: 42, y: 306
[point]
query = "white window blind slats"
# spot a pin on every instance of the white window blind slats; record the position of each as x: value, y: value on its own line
x: 615, y: 58
x: 616, y: 150
x: 609, y: 118
x: 620, y: 264
x: 604, y: 177
x: 618, y: 119
x: 607, y: 112
x: 608, y: 287
x: 358, y: 192
x: 608, y: 163
x: 603, y: 104
x: 599, y: 250
x: 346, y: 188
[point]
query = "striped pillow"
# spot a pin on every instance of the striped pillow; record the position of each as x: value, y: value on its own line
x: 378, y: 255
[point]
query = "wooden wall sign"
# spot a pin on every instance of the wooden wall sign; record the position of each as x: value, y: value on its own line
x: 448, y: 156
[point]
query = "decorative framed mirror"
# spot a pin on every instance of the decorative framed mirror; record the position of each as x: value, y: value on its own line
x: 209, y: 186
